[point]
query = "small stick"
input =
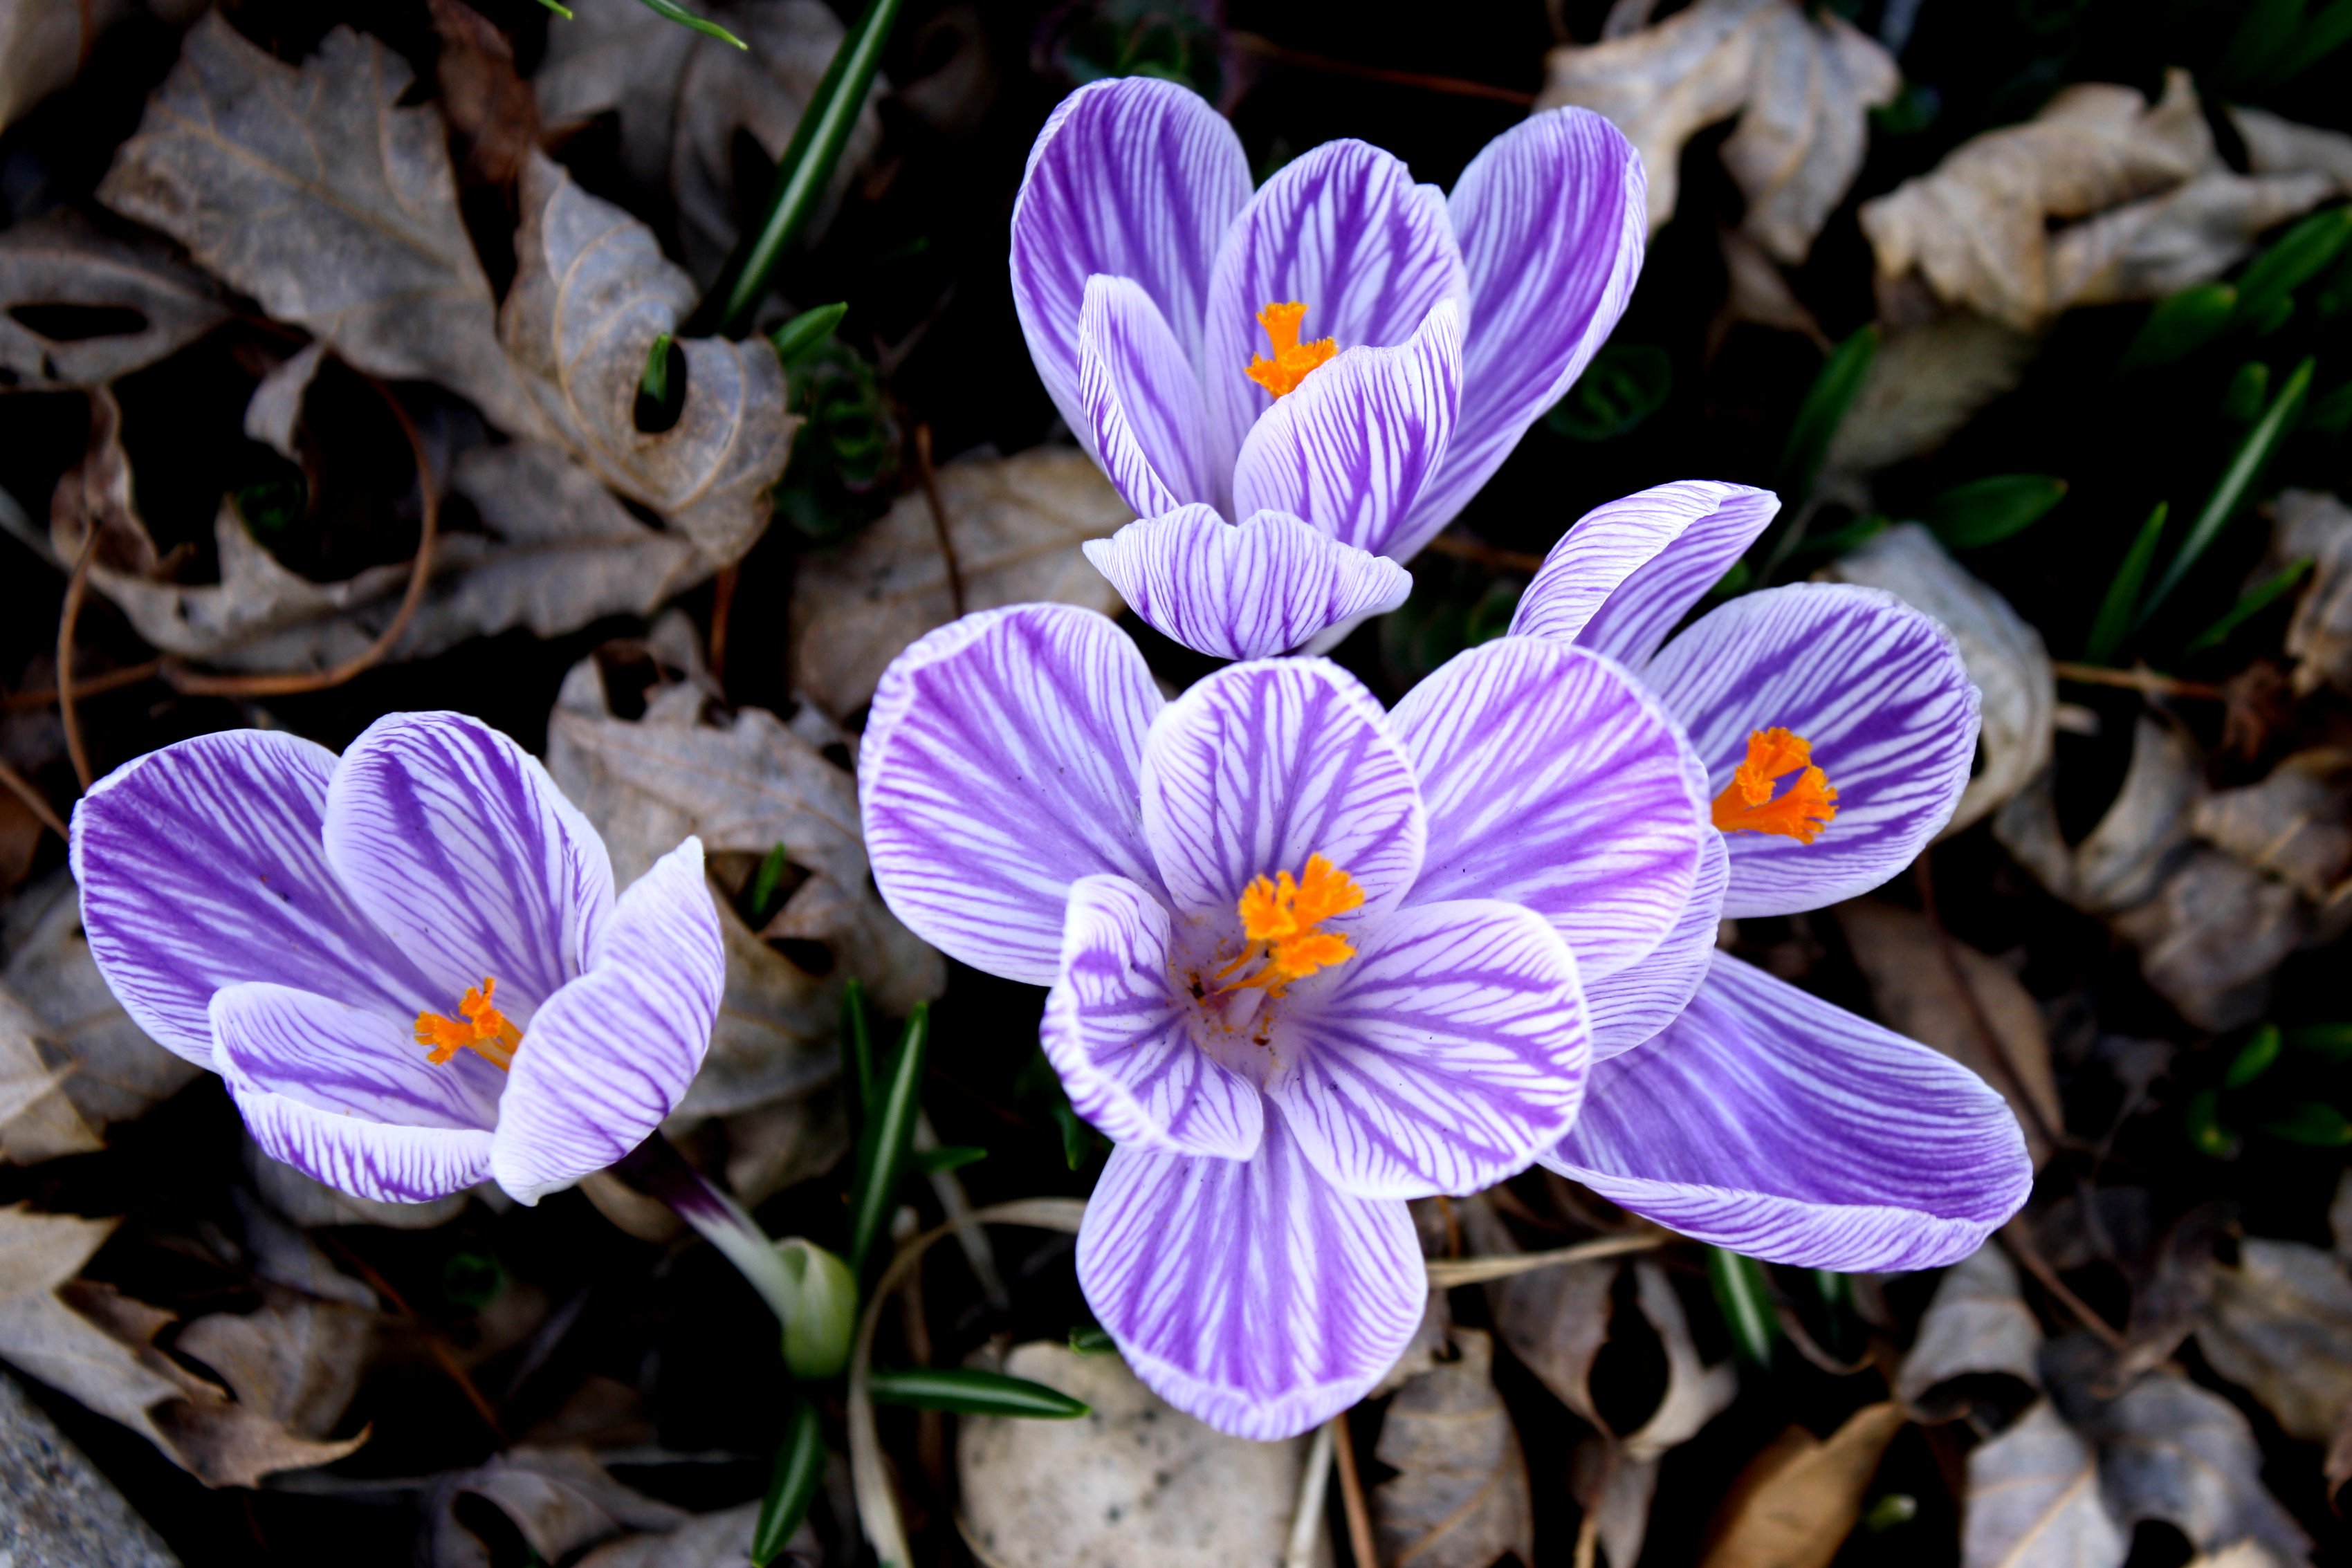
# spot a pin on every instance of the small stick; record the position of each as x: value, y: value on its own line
x: 1446, y: 1272
x: 113, y: 681
x: 722, y: 610
x: 2141, y: 679
x: 35, y: 802
x: 2021, y: 1244
x: 1351, y: 1495
x: 433, y: 1340
x: 1307, y: 1517
x: 1457, y: 87
x: 930, y: 484
x: 77, y: 586
x: 1462, y: 547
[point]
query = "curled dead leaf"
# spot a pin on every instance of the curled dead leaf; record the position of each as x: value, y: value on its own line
x: 1929, y: 378
x: 59, y: 270
x: 1459, y: 1499
x: 559, y: 1500
x: 2033, y: 1500
x: 2291, y: 824
x: 2280, y: 1326
x: 1976, y: 1325
x: 2314, y: 525
x: 1798, y: 1501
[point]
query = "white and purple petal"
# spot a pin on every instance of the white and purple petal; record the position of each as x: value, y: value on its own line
x: 1552, y: 779
x: 1262, y: 765
x: 611, y: 1054
x: 1142, y: 400
x: 1121, y: 1036
x: 1632, y: 1005
x: 1001, y: 763
x: 201, y: 866
x: 1132, y: 178
x: 345, y: 1094
x: 1444, y: 1056
x: 1879, y: 692
x: 1627, y: 573
x: 1549, y: 218
x: 464, y: 852
x: 1246, y: 592
x: 1252, y: 1293
x: 1768, y: 1122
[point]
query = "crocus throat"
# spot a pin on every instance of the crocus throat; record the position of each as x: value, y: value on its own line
x: 1747, y: 806
x: 480, y: 1027
x: 1292, y: 358
x: 1280, y: 919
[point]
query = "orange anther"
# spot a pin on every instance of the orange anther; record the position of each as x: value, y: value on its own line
x: 1747, y: 806
x: 481, y: 1028
x: 1280, y: 917
x: 1292, y: 358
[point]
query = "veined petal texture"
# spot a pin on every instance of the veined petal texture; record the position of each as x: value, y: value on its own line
x: 1637, y: 1001
x: 1243, y: 592
x: 1142, y: 400
x: 1630, y: 569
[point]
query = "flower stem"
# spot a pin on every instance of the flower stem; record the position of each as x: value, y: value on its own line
x: 656, y: 1168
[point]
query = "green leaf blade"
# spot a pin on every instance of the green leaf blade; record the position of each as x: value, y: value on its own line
x: 883, y: 1145
x: 969, y: 1391
x: 2114, y: 620
x: 791, y: 1485
x: 1745, y: 1299
x: 1986, y: 511
x: 2237, y: 484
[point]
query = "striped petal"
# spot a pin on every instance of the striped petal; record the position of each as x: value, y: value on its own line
x: 1142, y: 400
x: 1353, y: 447
x: 344, y: 1095
x: 1445, y: 1056
x: 461, y: 850
x: 1246, y: 592
x: 1632, y: 1005
x: 1133, y: 178
x: 1627, y: 573
x: 1121, y: 1038
x: 1344, y: 231
x: 1879, y: 691
x: 1252, y: 1293
x: 200, y: 866
x: 1551, y: 221
x: 1262, y: 765
x: 611, y: 1054
x: 1766, y: 1121
x: 1000, y: 765
x: 1552, y: 779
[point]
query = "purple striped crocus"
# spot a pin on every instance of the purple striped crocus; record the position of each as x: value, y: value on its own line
x: 1165, y: 305
x: 1837, y: 726
x: 408, y: 962
x: 1308, y: 958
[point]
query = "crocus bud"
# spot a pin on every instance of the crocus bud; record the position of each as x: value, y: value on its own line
x: 822, y: 1309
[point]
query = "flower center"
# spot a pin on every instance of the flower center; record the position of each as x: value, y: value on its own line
x: 480, y: 1027
x: 1280, y: 917
x: 1292, y: 358
x: 1747, y: 806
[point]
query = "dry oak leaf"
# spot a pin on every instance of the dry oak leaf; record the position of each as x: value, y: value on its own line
x: 1798, y: 1501
x: 2280, y: 1327
x: 1976, y: 1325
x: 592, y: 292
x: 310, y: 188
x: 1459, y: 1499
x: 2033, y: 1500
x: 2291, y: 824
x: 1016, y: 524
x: 2314, y: 525
x: 60, y: 269
x: 1801, y: 80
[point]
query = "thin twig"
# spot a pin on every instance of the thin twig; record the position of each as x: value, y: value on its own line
x: 433, y: 1341
x: 1447, y: 1272
x: 722, y: 611
x: 1462, y: 547
x: 2052, y: 1138
x: 1455, y: 87
x: 2019, y: 1242
x: 1307, y: 1514
x: 1351, y: 1496
x: 96, y: 686
x: 77, y: 586
x: 35, y: 802
x: 930, y: 484
x: 2137, y: 679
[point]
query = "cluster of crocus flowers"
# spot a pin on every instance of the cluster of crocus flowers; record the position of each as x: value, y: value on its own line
x: 1297, y: 388
x: 407, y: 963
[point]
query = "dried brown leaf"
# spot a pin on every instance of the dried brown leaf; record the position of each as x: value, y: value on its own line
x: 2280, y: 1326
x: 62, y: 259
x: 2311, y: 525
x: 2211, y: 936
x: 488, y: 104
x: 2033, y: 1500
x: 1929, y: 378
x: 1459, y: 1499
x: 2149, y: 248
x: 1798, y: 1501
x: 721, y: 1540
x: 2276, y: 146
x: 1976, y: 1325
x: 560, y: 1499
x: 2293, y: 824
x: 43, y: 45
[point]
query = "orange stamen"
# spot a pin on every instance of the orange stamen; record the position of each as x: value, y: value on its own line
x: 481, y: 1028
x: 1280, y: 917
x: 1747, y: 806
x: 1292, y: 358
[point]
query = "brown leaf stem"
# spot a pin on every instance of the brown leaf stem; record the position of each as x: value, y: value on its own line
x: 929, y: 480
x: 1455, y: 87
x: 77, y: 587
x: 1351, y: 1496
x: 2019, y: 1242
x: 2139, y: 679
x: 35, y: 802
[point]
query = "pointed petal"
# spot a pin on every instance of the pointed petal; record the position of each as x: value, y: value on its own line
x: 1553, y: 779
x: 1344, y: 231
x: 344, y: 1095
x: 1877, y: 687
x: 1142, y: 400
x: 611, y: 1054
x: 201, y: 865
x: 463, y: 851
x: 1766, y: 1121
x: 1627, y: 573
x: 1632, y: 1005
x: 1262, y: 765
x: 1445, y: 1056
x: 1550, y: 217
x: 1252, y: 1293
x: 1000, y: 765
x: 1132, y: 178
x: 1121, y: 1037
x: 1246, y: 592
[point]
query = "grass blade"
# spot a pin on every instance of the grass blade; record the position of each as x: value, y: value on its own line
x: 2114, y: 619
x: 2253, y: 602
x: 856, y: 1053
x: 882, y: 1144
x: 1745, y: 1299
x: 2237, y: 484
x: 1823, y: 410
x: 1986, y: 511
x: 800, y: 336
x: 686, y: 18
x: 791, y: 1487
x: 968, y: 1391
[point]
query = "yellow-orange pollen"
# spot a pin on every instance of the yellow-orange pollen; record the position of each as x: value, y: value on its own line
x: 1292, y: 358
x: 1279, y: 917
x: 1746, y: 805
x: 480, y: 1027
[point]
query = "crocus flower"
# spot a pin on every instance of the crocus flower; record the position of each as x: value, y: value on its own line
x: 1837, y: 725
x: 1335, y: 362
x: 408, y: 962
x: 1308, y: 960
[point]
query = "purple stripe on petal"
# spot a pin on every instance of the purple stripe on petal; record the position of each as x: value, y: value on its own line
x: 200, y: 866
x: 1246, y: 592
x: 1252, y: 1294
x: 1134, y: 178
x: 1142, y: 400
x: 611, y: 1054
x: 463, y: 851
x: 1445, y: 1056
x: 1553, y: 779
x: 1344, y: 231
x: 1551, y: 221
x: 1354, y: 444
x: 1632, y: 1005
x: 1879, y: 691
x: 367, y: 1159
x: 1766, y: 1121
x: 1121, y: 1036
x: 1262, y: 765
x: 1000, y: 765
x: 1627, y: 573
